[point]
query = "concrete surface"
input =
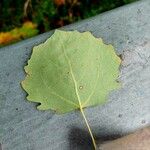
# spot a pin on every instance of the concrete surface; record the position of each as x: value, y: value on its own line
x: 22, y: 127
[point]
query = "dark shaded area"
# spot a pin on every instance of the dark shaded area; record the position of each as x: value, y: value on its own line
x: 80, y: 139
x: 50, y: 14
x: 0, y: 146
x: 22, y: 19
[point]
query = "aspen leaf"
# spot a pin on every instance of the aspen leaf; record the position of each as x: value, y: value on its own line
x: 71, y: 70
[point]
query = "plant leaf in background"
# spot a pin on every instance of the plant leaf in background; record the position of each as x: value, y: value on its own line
x: 71, y: 70
x: 28, y: 29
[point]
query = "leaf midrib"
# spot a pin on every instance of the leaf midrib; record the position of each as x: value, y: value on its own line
x: 55, y: 93
x: 73, y: 77
x: 76, y: 84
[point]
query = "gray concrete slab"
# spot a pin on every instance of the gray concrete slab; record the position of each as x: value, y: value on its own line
x: 22, y: 127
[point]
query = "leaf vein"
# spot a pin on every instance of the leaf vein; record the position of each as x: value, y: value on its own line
x: 88, y: 99
x: 55, y: 94
x: 73, y: 76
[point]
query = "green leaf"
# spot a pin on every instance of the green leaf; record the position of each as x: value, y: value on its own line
x: 71, y: 70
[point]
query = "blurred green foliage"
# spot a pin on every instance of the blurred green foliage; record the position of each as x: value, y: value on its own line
x: 50, y: 14
x: 28, y: 29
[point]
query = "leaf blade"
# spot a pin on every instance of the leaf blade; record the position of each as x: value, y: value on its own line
x: 88, y: 57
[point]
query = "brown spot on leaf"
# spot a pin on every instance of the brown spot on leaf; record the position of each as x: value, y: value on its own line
x: 120, y: 56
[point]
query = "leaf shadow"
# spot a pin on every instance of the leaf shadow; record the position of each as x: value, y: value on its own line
x: 80, y: 139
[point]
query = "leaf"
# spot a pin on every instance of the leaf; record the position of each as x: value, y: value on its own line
x: 7, y: 37
x: 71, y: 66
x: 59, y: 2
x: 71, y: 70
x: 28, y: 29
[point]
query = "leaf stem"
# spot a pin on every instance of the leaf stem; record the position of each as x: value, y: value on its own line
x: 89, y: 129
x: 78, y: 97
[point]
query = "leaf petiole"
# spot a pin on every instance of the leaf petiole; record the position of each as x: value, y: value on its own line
x: 89, y: 129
